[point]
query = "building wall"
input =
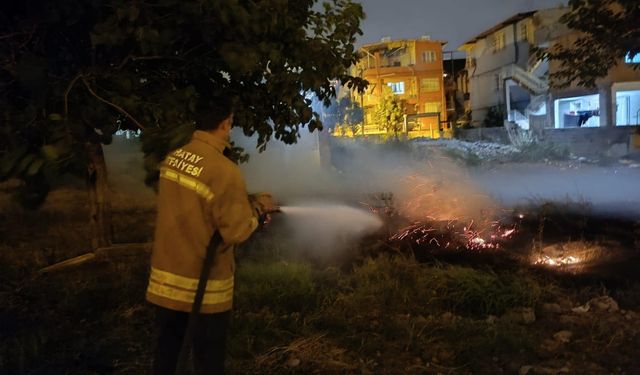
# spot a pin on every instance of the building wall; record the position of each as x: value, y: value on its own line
x: 547, y: 25
x: 488, y: 60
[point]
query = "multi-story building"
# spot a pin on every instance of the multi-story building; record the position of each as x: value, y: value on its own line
x: 507, y: 75
x: 412, y: 70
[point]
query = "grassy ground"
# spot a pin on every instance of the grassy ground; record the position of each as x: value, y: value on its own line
x: 383, y: 313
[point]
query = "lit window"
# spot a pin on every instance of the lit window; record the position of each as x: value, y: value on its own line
x: 428, y: 56
x: 432, y: 107
x: 523, y: 31
x: 634, y: 60
x: 396, y: 87
x: 526, y: 31
x: 498, y: 41
x: 430, y: 84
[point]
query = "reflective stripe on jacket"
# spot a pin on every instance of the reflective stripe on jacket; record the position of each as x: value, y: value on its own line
x: 200, y: 191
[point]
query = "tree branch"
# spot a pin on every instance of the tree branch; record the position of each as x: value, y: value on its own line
x: 66, y: 93
x: 142, y: 58
x: 115, y: 106
x: 11, y: 35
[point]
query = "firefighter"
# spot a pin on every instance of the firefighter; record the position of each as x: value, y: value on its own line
x: 200, y: 192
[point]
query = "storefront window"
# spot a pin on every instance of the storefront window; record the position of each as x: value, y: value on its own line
x: 581, y: 111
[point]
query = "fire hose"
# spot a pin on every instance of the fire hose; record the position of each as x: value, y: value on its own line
x: 214, y: 243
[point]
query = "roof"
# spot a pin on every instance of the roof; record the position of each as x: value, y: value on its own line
x: 508, y: 21
x: 383, y: 45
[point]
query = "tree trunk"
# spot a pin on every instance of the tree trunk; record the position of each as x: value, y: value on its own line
x: 99, y: 208
x: 324, y: 149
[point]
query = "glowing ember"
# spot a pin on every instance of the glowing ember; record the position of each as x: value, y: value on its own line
x: 448, y: 216
x: 451, y: 236
x: 557, y: 261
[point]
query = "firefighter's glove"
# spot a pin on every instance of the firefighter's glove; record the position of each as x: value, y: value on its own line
x: 263, y: 205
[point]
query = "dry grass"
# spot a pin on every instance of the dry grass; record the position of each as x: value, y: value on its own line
x: 379, y: 314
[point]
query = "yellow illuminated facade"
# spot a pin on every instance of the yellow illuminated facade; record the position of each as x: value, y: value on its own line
x: 413, y: 70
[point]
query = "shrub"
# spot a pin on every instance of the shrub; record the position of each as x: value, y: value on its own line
x: 495, y: 117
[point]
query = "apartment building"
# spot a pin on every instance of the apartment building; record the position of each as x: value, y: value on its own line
x: 412, y: 70
x: 504, y: 72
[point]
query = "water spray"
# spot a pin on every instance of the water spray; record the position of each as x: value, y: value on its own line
x: 326, y: 228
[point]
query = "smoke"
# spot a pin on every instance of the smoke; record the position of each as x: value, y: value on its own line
x: 607, y: 190
x: 433, y: 186
x: 421, y: 183
x: 362, y: 175
x: 125, y: 169
x: 416, y: 180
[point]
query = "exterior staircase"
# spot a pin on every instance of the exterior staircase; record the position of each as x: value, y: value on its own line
x: 531, y: 81
x: 526, y: 79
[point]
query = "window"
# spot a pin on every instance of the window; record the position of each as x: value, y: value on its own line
x: 627, y: 107
x: 430, y: 84
x: 522, y: 34
x: 432, y: 107
x: 525, y: 32
x: 396, y: 87
x: 498, y: 41
x: 428, y: 56
x: 634, y: 60
x: 582, y: 111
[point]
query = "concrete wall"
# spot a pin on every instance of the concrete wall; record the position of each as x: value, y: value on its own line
x: 611, y: 142
x: 495, y: 135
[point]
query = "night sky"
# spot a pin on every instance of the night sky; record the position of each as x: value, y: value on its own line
x: 455, y: 21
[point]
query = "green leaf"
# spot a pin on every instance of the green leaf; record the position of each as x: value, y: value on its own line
x: 35, y: 167
x: 9, y: 162
x: 50, y: 152
x: 156, y: 61
x: 24, y: 164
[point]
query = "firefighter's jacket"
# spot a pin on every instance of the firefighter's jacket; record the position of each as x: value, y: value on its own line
x: 200, y: 191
